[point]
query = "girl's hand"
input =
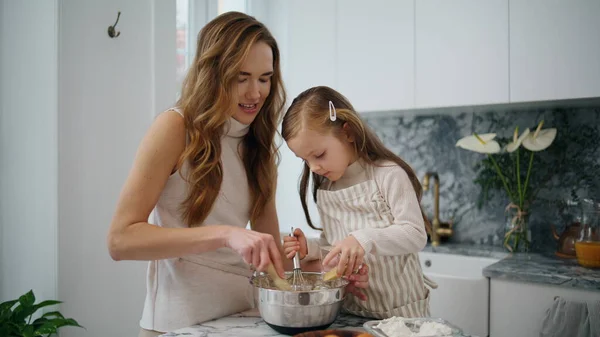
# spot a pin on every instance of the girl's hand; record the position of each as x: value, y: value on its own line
x: 257, y: 249
x: 359, y: 281
x: 292, y: 244
x: 351, y: 256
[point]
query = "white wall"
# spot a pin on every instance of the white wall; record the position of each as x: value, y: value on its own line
x: 28, y: 148
x: 275, y: 15
x: 107, y: 101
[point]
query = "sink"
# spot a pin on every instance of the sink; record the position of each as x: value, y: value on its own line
x: 463, y: 293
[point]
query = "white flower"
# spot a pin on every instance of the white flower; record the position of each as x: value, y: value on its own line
x: 540, y: 139
x: 516, y: 140
x: 483, y: 143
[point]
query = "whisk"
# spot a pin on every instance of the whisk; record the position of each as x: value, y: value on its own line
x: 297, y: 280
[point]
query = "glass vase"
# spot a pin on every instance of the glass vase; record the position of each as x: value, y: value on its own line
x: 517, y: 235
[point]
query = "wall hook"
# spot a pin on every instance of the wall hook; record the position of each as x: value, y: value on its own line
x: 111, y: 29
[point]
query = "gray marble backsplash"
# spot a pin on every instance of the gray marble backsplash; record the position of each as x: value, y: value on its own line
x: 569, y: 167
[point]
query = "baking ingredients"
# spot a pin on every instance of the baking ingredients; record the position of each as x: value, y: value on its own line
x: 396, y: 327
x: 330, y: 275
x: 434, y: 329
x: 278, y: 281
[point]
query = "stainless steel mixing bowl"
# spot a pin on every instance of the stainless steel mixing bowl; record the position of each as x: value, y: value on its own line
x: 293, y: 312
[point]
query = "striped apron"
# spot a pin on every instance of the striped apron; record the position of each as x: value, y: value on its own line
x: 396, y: 283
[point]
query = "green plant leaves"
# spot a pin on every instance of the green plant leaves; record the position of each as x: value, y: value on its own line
x: 16, y: 315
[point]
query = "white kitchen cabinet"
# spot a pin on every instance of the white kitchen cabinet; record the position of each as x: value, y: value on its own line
x: 463, y: 293
x: 375, y: 53
x: 310, y: 46
x: 517, y: 309
x: 461, y: 52
x: 554, y: 49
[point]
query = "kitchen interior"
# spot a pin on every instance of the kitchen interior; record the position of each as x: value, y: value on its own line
x: 423, y: 74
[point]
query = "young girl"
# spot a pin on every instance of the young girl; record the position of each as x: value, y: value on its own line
x: 368, y: 202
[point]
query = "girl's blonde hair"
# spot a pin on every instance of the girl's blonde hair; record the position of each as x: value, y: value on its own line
x: 206, y: 101
x: 311, y: 110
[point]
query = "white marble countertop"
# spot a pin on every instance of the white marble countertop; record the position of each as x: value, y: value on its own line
x: 250, y: 324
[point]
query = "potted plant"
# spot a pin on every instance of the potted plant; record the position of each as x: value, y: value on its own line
x: 512, y: 173
x: 16, y: 318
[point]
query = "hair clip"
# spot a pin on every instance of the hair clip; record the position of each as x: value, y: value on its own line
x: 332, y: 112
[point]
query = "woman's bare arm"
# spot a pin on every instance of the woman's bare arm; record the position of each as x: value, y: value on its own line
x: 130, y: 236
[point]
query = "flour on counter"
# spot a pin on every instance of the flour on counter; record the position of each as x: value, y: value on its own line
x: 396, y: 327
x: 434, y: 329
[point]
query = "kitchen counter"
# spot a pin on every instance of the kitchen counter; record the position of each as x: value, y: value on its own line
x: 250, y: 324
x: 468, y: 250
x: 527, y: 267
x: 537, y: 268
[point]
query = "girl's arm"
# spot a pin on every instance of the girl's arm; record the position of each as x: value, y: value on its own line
x: 314, y: 247
x: 407, y: 234
x: 131, y: 237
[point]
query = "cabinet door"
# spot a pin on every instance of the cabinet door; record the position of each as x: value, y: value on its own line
x: 310, y: 45
x: 375, y: 53
x: 461, y: 52
x: 554, y: 49
x: 518, y: 309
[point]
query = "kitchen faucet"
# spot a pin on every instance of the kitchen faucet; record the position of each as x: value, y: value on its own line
x: 439, y: 229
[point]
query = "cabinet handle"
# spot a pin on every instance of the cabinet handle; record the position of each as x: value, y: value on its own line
x: 428, y: 263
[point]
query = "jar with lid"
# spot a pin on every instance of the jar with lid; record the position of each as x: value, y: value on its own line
x: 587, y: 247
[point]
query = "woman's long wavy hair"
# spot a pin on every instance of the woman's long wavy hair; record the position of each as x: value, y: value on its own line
x: 311, y: 110
x: 206, y: 102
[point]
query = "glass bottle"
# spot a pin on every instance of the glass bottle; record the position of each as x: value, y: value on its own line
x: 587, y: 246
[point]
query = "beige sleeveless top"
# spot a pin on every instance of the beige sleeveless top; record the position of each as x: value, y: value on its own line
x: 191, y: 289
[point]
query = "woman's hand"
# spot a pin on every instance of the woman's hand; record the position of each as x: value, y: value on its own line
x: 351, y: 255
x: 293, y: 244
x: 257, y: 249
x: 359, y: 281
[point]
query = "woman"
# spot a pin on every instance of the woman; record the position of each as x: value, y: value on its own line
x: 202, y: 172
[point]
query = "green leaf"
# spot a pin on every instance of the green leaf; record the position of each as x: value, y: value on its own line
x: 19, y: 314
x: 39, y: 322
x: 25, y: 307
x: 45, y: 304
x: 7, y: 305
x: 53, y: 324
x: 27, y: 310
x: 6, y: 309
x: 28, y: 331
x: 7, y: 329
x: 72, y: 322
x: 28, y: 299
x: 46, y: 330
x: 53, y: 314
